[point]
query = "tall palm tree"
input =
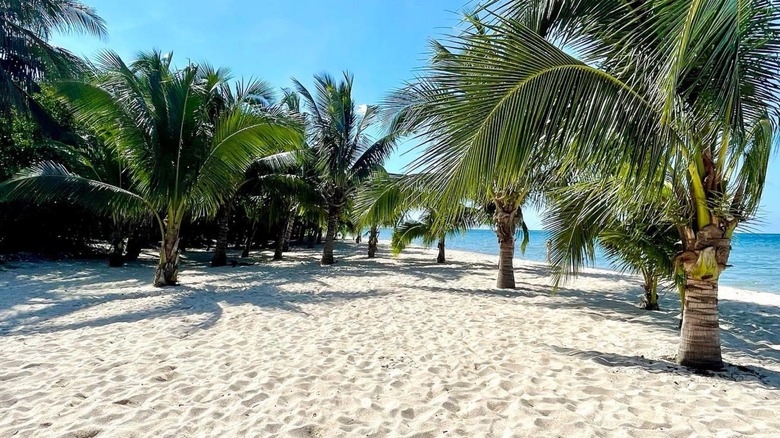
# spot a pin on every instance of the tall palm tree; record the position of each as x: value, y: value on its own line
x: 341, y: 141
x: 26, y: 56
x: 685, y: 89
x: 179, y: 159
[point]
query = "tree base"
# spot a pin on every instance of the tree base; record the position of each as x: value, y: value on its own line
x: 166, y: 275
x: 704, y: 365
x: 219, y: 260
x: 649, y: 306
x: 505, y: 284
x: 116, y: 260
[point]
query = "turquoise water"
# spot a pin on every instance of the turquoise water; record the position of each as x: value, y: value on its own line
x: 754, y: 257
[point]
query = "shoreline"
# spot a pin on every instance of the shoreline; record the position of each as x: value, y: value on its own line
x: 379, y: 347
x: 725, y: 291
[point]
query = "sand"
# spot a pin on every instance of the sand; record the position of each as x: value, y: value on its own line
x: 398, y: 347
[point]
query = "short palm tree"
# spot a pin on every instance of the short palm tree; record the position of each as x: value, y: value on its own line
x: 393, y: 200
x: 636, y: 238
x: 283, y: 191
x: 179, y: 158
x: 429, y: 230
x: 26, y: 56
x: 341, y: 142
x: 254, y: 95
x: 685, y: 88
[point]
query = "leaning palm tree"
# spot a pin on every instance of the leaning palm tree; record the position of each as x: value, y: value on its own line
x: 179, y: 160
x: 687, y: 89
x: 27, y: 57
x: 344, y: 151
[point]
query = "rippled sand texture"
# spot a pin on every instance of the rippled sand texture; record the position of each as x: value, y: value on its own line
x: 383, y: 347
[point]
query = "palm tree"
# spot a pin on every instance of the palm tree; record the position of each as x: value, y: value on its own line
x: 450, y: 116
x: 283, y: 191
x: 430, y: 230
x: 224, y: 96
x: 391, y: 200
x: 26, y: 56
x: 101, y: 164
x: 636, y: 238
x: 644, y: 249
x: 179, y: 159
x: 344, y: 151
x: 685, y: 89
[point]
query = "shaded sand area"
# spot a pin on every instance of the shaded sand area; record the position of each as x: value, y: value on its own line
x: 384, y: 347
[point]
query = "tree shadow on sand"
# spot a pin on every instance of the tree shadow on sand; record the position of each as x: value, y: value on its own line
x: 38, y: 301
x: 749, y: 331
x: 734, y: 373
x: 32, y: 301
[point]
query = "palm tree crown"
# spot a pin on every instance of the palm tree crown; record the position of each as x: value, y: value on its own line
x: 25, y: 53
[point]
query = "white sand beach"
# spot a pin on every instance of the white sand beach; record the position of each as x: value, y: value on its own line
x: 397, y: 347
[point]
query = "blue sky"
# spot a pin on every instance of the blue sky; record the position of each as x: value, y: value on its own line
x: 381, y: 42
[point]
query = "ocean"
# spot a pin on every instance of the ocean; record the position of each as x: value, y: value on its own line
x: 755, y: 258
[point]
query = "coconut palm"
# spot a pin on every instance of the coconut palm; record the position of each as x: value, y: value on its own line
x: 687, y: 89
x: 282, y: 191
x: 638, y: 239
x: 643, y: 249
x: 241, y: 95
x: 179, y: 159
x: 450, y: 115
x: 429, y: 230
x: 344, y: 151
x: 393, y: 200
x: 26, y: 56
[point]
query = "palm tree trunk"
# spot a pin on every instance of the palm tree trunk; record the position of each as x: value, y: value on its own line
x: 279, y: 241
x: 650, y: 298
x: 117, y: 257
x: 220, y: 249
x: 288, y: 231
x: 134, y: 244
x: 330, y: 235
x: 301, y: 236
x: 250, y: 237
x: 311, y: 238
x: 703, y: 261
x: 319, y: 235
x: 441, y: 258
x: 168, y: 269
x: 505, y: 231
x: 373, y: 241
